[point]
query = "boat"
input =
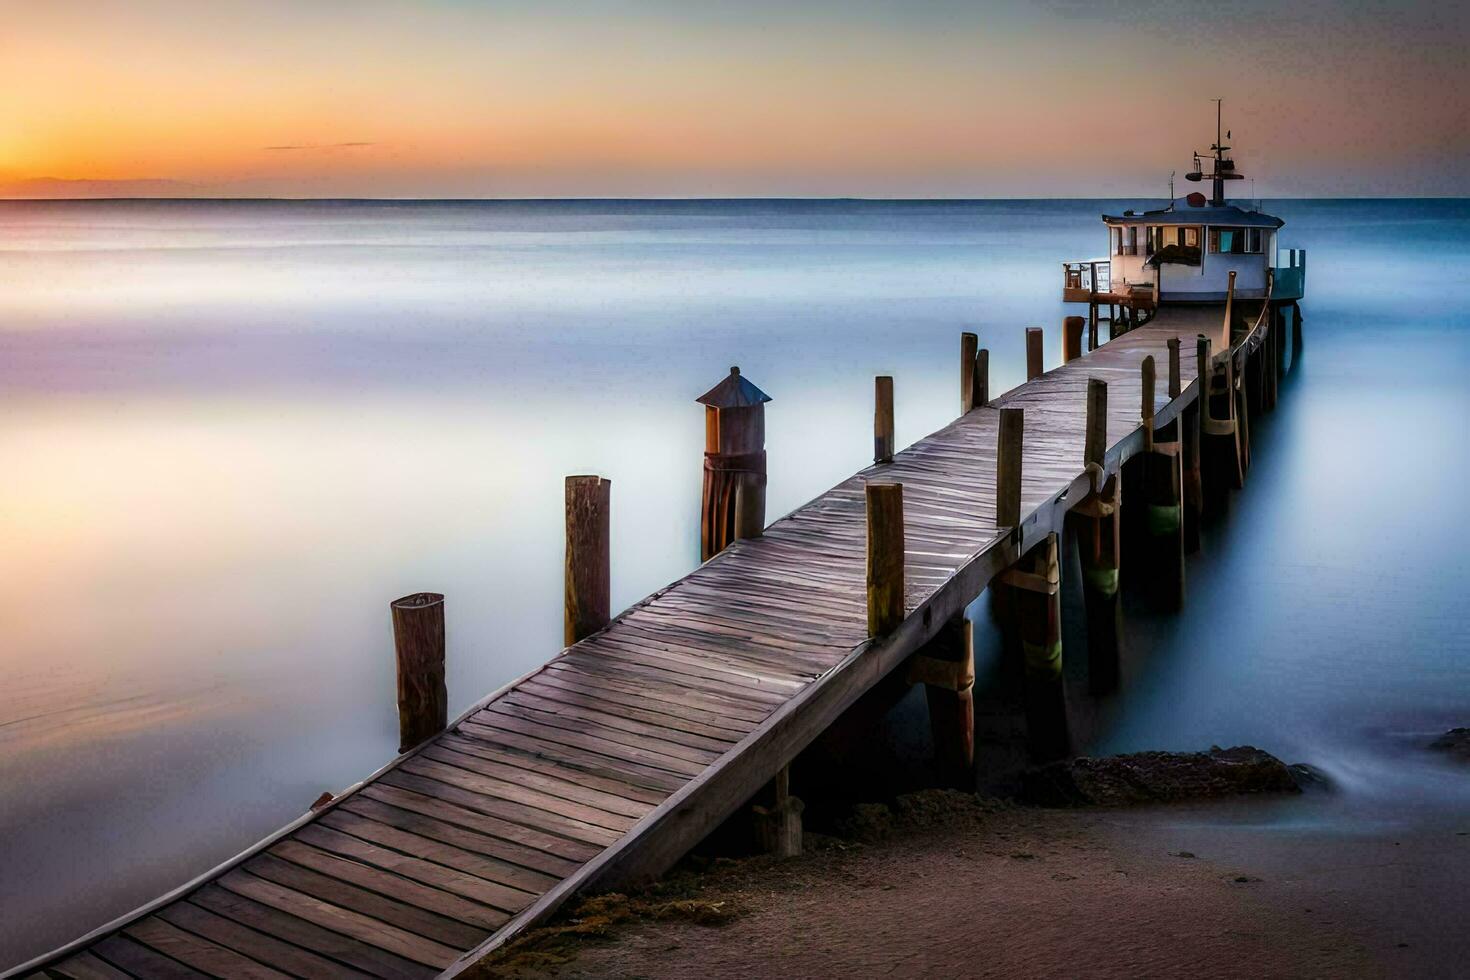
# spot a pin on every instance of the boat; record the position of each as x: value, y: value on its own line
x: 1184, y: 252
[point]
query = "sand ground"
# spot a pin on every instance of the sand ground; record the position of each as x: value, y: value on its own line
x: 1159, y: 892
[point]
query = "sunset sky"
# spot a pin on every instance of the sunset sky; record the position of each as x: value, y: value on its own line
x: 657, y: 98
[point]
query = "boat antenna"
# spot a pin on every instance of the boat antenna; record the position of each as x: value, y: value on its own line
x: 1224, y: 167
x: 1171, y: 190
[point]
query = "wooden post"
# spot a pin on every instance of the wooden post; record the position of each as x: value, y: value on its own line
x: 1034, y: 583
x: 946, y: 667
x: 1220, y: 450
x: 734, y: 461
x: 1008, y: 467
x: 750, y: 506
x: 1072, y: 338
x: 1147, y: 408
x: 1034, y: 366
x: 418, y: 636
x: 883, y: 419
x: 885, y: 557
x: 1092, y: 308
x: 779, y: 826
x: 1163, y: 493
x: 969, y: 343
x: 1176, y: 384
x: 587, y: 595
x: 981, y: 396
x: 1297, y: 348
x: 1094, y: 522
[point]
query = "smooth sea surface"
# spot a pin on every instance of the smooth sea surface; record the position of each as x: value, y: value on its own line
x: 232, y: 432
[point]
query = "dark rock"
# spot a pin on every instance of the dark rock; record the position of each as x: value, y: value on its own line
x: 1157, y: 777
x: 1456, y: 742
x: 1309, y: 778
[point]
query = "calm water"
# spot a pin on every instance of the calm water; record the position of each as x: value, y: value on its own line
x: 234, y: 432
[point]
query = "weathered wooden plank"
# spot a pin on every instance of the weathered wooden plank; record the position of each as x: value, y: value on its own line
x: 407, y: 917
x: 510, y: 842
x: 86, y: 966
x: 553, y: 787
x: 198, y: 952
x: 536, y: 765
x: 497, y: 900
x: 286, y: 957
x: 572, y: 755
x: 445, y: 771
x: 371, y: 931
x: 448, y: 845
x: 141, y: 961
x: 393, y: 885
x: 283, y: 925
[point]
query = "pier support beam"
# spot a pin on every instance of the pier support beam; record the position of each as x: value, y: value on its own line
x: 1029, y: 603
x: 1034, y: 584
x: 1220, y: 452
x: 1296, y: 334
x: 1163, y: 492
x: 778, y: 826
x: 587, y: 597
x: 418, y: 637
x: 946, y: 667
x: 1095, y: 527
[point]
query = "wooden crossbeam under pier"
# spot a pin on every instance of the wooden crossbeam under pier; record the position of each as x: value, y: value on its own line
x: 605, y: 765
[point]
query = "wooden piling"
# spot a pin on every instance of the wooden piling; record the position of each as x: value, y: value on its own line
x: 946, y: 667
x: 1072, y: 338
x: 1009, y: 435
x: 778, y: 826
x: 981, y: 388
x: 588, y: 574
x: 1163, y: 495
x: 1035, y: 584
x: 1034, y: 361
x: 1176, y: 384
x: 734, y: 461
x: 1092, y: 308
x: 1094, y: 523
x: 885, y: 579
x: 883, y: 419
x: 750, y: 506
x: 418, y: 638
x: 969, y: 344
x: 1146, y: 411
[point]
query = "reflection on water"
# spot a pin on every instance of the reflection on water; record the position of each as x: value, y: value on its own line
x: 235, y: 432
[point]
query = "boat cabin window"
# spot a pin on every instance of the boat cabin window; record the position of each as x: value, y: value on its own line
x: 1154, y: 239
x: 1189, y: 237
x: 1237, y: 241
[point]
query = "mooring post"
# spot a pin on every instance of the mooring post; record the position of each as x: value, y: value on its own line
x: 418, y: 638
x: 1163, y: 487
x: 1034, y: 365
x: 981, y: 387
x: 1035, y: 586
x: 1220, y: 451
x: 1095, y: 529
x: 734, y: 461
x: 778, y: 826
x: 946, y: 667
x: 1008, y: 438
x: 1072, y: 338
x: 588, y: 575
x: 1092, y: 308
x: 883, y: 419
x: 969, y: 344
x: 885, y: 557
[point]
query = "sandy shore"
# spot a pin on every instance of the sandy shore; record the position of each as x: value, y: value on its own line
x: 1217, y: 890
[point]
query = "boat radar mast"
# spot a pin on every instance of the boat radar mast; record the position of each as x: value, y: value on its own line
x: 1224, y: 166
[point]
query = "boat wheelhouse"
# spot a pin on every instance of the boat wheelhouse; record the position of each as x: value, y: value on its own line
x: 1184, y: 252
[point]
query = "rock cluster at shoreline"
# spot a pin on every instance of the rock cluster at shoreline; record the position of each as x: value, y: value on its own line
x: 1456, y: 742
x: 1158, y: 777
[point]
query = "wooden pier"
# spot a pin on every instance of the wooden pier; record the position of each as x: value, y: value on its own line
x: 605, y: 765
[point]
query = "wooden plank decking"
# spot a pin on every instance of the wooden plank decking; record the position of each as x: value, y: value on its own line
x: 611, y: 760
